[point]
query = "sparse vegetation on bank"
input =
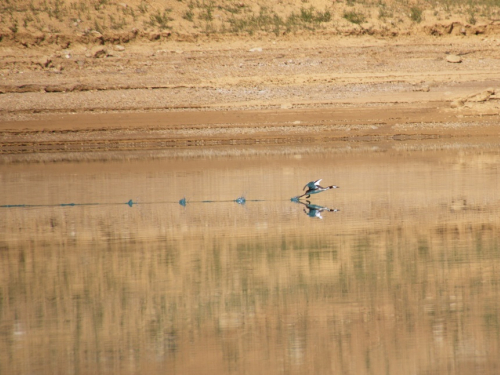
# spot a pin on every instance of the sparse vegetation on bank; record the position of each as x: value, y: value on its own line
x: 37, y: 21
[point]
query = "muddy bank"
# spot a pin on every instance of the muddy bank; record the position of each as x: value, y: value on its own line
x: 166, y: 130
x: 156, y: 95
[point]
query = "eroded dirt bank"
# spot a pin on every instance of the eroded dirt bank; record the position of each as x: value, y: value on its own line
x: 160, y: 95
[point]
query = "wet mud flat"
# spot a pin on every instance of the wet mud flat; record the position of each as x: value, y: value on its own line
x: 192, y: 129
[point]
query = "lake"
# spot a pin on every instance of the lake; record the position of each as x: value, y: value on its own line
x: 103, y: 270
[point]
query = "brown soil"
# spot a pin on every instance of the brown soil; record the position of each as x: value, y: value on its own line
x: 226, y: 89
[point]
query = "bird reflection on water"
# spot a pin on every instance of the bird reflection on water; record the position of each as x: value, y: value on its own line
x: 313, y: 210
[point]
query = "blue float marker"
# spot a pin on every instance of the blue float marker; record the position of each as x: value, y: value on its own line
x: 240, y: 200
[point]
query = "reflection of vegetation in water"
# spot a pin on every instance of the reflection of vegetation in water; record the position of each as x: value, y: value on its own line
x: 143, y: 296
x: 360, y: 258
x: 492, y: 319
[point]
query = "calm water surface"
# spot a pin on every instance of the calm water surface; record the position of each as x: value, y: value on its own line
x: 404, y: 278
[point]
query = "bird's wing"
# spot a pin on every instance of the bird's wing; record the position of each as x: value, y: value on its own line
x: 312, y: 185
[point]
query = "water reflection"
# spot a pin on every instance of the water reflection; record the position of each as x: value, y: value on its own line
x: 313, y: 210
x: 403, y: 279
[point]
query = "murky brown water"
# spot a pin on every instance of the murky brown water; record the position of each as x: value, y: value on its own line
x: 403, y: 279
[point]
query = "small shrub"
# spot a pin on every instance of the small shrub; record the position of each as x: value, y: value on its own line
x: 143, y: 7
x: 325, y: 16
x: 307, y: 15
x: 207, y: 13
x: 98, y: 27
x: 59, y: 10
x: 100, y: 4
x: 265, y: 21
x: 188, y: 15
x: 472, y: 18
x: 311, y: 16
x: 383, y: 12
x: 160, y: 19
x: 13, y: 27
x: 27, y: 19
x: 233, y: 9
x: 277, y: 24
x: 416, y: 14
x: 115, y: 24
x: 354, y: 17
x: 32, y: 7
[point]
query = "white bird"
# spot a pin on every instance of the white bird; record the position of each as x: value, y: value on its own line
x: 313, y: 187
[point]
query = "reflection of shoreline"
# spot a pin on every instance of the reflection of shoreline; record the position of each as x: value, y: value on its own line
x: 334, y: 147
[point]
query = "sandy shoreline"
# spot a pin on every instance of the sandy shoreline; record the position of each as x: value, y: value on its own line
x: 157, y: 95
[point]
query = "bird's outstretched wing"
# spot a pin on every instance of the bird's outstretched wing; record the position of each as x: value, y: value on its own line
x: 312, y: 185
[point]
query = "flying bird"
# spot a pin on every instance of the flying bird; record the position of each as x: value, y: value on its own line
x: 314, y: 187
